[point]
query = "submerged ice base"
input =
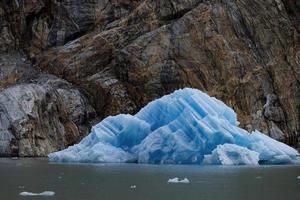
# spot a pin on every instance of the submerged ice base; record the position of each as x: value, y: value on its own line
x: 185, y: 127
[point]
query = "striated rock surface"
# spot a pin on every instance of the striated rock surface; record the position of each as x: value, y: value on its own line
x: 41, y: 117
x: 115, y: 56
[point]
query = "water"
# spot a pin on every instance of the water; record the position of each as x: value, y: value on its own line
x: 146, y: 182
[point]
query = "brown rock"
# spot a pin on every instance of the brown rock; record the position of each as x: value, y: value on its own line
x: 123, y: 54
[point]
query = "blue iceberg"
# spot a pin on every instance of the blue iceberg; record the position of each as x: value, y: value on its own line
x: 185, y: 127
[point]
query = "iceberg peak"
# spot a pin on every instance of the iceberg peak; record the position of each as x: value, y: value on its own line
x: 185, y: 127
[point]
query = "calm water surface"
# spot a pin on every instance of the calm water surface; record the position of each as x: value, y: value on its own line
x: 114, y: 181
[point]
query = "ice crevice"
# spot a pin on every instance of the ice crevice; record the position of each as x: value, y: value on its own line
x: 185, y: 127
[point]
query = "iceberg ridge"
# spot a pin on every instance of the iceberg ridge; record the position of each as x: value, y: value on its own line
x: 185, y: 127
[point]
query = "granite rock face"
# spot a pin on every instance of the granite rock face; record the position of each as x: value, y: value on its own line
x: 41, y: 117
x: 117, y: 55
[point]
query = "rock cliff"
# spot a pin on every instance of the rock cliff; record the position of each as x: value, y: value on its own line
x: 66, y: 64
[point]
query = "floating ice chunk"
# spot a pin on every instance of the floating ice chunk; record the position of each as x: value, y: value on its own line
x: 231, y: 154
x: 176, y: 180
x: 298, y: 177
x: 185, y: 127
x: 45, y: 193
x: 271, y: 151
x: 173, y: 180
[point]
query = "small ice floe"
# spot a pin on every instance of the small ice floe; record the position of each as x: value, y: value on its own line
x: 19, y: 164
x: 298, y: 177
x: 176, y: 180
x: 133, y: 186
x: 45, y: 193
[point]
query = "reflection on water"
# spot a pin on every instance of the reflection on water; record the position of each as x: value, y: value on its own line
x: 143, y: 182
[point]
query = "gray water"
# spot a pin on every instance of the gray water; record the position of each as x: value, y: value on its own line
x: 114, y: 181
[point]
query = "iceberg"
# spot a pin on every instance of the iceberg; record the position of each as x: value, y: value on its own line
x: 185, y: 127
x: 231, y: 154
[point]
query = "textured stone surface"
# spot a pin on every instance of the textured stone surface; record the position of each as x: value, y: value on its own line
x: 38, y: 24
x: 122, y: 54
x: 42, y: 117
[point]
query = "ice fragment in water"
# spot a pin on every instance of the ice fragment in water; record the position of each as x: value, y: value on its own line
x: 45, y: 193
x: 176, y: 180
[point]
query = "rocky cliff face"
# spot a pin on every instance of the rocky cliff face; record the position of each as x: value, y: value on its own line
x: 66, y: 64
